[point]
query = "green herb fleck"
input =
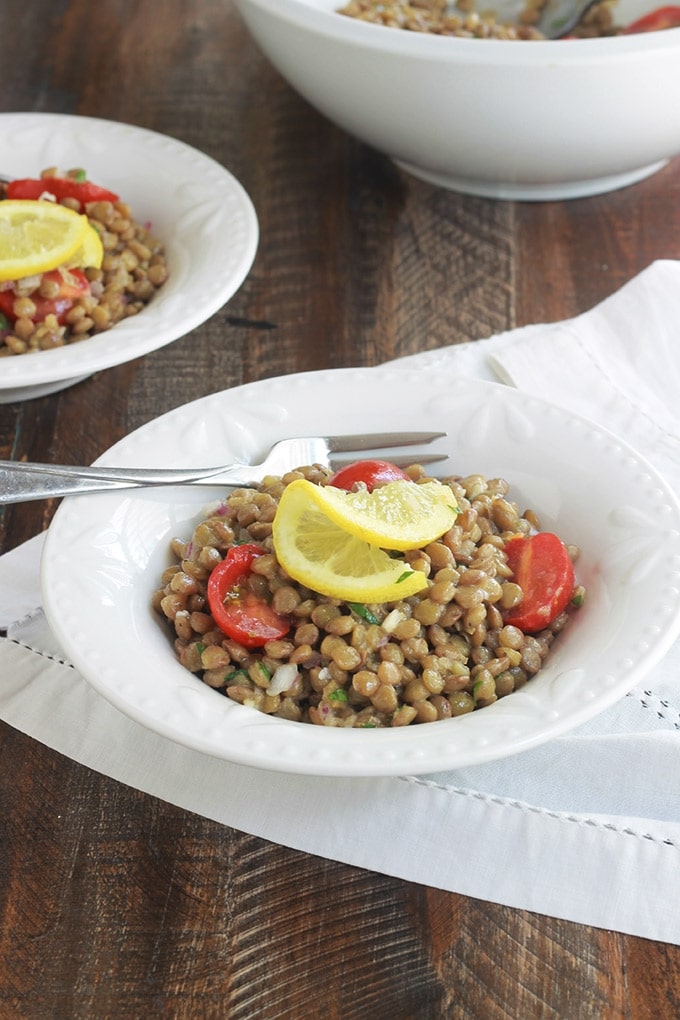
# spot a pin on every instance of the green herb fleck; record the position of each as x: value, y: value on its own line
x: 80, y: 176
x: 577, y: 600
x: 402, y: 577
x: 4, y: 321
x: 338, y: 695
x: 233, y: 676
x: 201, y: 647
x: 363, y: 611
x: 367, y: 726
x: 263, y: 669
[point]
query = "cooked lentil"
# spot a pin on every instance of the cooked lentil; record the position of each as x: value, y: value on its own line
x: 133, y: 269
x: 440, y: 17
x: 439, y: 654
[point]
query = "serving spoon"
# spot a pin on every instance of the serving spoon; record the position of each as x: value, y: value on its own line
x: 555, y: 20
x: 559, y: 17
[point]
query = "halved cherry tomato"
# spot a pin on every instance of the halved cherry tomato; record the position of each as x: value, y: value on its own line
x: 7, y: 298
x: 371, y: 472
x: 237, y: 610
x: 61, y: 188
x: 655, y: 21
x: 543, y: 569
x: 72, y: 284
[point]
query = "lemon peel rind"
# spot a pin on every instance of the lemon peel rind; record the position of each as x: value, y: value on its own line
x: 364, y: 593
x: 363, y: 590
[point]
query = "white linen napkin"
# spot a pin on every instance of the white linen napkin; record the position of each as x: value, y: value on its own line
x: 585, y: 828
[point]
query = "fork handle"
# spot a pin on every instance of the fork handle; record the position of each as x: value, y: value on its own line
x: 21, y: 481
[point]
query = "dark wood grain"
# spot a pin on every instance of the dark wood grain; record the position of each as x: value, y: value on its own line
x: 114, y: 904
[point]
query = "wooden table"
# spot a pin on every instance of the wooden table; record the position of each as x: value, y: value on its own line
x: 114, y: 904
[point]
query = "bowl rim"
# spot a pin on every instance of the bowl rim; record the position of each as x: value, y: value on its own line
x: 324, y: 21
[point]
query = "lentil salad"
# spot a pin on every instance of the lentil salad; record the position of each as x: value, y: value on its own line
x: 463, y: 19
x: 441, y: 653
x: 68, y: 305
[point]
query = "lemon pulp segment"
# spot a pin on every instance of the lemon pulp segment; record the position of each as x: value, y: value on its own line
x: 399, y: 515
x: 36, y: 236
x: 90, y: 252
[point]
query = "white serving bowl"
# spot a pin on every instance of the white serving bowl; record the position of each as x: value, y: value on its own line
x: 504, y: 119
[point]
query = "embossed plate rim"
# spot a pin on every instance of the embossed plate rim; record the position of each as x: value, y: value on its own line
x: 182, y: 191
x: 104, y: 555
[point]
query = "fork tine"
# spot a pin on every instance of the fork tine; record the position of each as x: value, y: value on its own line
x: 401, y: 460
x: 380, y: 441
x: 426, y: 458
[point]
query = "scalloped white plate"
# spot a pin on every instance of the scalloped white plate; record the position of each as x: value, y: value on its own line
x: 196, y: 207
x: 105, y: 553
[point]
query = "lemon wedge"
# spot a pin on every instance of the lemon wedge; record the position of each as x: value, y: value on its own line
x: 37, y: 236
x: 398, y: 515
x: 318, y: 553
x: 91, y: 251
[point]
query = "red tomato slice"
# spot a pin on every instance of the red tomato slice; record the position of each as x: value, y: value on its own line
x: 542, y: 567
x: 655, y: 21
x: 61, y: 188
x: 371, y: 472
x: 236, y: 610
x: 7, y: 303
x: 71, y: 286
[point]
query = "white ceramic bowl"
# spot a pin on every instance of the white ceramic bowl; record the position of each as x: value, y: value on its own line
x: 105, y: 555
x: 504, y: 119
x: 195, y: 207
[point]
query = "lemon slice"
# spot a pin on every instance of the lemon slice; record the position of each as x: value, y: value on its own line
x: 90, y: 252
x: 37, y: 236
x: 399, y: 515
x: 314, y: 551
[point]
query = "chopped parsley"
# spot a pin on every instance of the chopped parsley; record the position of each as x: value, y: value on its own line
x: 363, y: 611
x: 233, y: 676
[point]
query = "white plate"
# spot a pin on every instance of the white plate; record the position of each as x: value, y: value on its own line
x: 195, y: 207
x: 105, y: 553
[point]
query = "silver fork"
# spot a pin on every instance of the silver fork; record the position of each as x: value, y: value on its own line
x: 21, y: 481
